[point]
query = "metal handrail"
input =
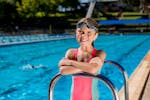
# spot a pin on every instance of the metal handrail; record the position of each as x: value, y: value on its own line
x: 125, y: 76
x: 52, y: 85
x: 102, y: 78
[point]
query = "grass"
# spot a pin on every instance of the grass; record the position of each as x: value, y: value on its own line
x: 126, y: 16
x: 128, y: 13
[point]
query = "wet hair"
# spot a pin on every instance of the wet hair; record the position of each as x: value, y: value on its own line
x: 89, y: 20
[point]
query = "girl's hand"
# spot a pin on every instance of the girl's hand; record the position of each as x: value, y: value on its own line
x: 65, y: 62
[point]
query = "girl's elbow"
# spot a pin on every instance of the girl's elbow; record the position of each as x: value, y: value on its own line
x: 95, y: 67
x: 62, y: 71
x: 93, y: 71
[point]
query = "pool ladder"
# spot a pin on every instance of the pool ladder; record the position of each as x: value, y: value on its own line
x: 100, y: 77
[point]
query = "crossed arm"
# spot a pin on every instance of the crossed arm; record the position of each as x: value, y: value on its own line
x: 69, y: 66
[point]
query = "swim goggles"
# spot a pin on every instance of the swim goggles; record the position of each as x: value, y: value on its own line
x: 88, y: 24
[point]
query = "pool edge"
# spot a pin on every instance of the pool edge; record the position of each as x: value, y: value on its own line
x: 137, y: 80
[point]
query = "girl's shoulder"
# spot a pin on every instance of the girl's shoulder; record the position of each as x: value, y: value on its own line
x: 100, y: 51
x: 70, y: 53
x: 101, y: 54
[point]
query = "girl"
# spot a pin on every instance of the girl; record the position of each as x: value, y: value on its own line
x: 84, y: 59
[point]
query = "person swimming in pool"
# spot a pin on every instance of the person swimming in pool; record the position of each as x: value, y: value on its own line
x: 29, y: 66
x: 84, y: 59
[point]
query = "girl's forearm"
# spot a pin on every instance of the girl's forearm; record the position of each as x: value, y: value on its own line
x: 85, y: 67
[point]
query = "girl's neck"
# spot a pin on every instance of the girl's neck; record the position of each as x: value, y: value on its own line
x: 86, y: 48
x: 85, y: 53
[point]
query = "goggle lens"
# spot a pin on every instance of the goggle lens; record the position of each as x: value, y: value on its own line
x: 89, y: 25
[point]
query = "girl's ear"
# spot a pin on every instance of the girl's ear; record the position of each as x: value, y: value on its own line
x: 95, y: 37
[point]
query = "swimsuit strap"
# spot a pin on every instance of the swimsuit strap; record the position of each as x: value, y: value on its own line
x: 94, y: 52
x: 75, y: 55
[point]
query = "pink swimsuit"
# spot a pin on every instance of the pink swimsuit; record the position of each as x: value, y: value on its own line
x: 82, y: 86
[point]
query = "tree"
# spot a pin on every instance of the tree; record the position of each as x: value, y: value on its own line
x: 68, y: 3
x: 29, y: 8
x: 8, y: 9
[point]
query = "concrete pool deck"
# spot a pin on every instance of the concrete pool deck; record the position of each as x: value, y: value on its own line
x: 139, y: 82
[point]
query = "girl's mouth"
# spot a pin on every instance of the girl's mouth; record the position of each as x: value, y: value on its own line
x: 84, y: 41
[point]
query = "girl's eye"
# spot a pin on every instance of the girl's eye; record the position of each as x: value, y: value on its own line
x: 89, y: 33
x: 79, y: 31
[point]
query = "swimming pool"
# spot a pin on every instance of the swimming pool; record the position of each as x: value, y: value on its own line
x: 22, y: 82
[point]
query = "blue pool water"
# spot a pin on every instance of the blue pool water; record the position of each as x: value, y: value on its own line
x: 19, y: 81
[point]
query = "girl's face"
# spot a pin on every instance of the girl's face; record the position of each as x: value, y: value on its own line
x: 85, y: 35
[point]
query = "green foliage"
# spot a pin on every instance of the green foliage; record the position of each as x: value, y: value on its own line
x: 40, y: 8
x: 7, y: 9
x: 70, y: 3
x: 26, y: 8
x: 43, y: 8
x: 8, y: 1
x: 34, y: 8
